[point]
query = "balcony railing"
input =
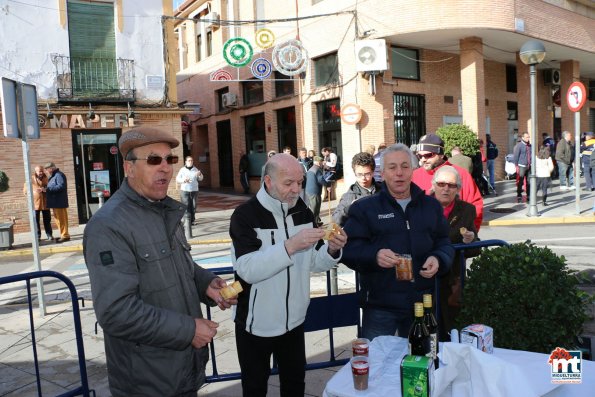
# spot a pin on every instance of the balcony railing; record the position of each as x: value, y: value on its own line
x: 94, y: 79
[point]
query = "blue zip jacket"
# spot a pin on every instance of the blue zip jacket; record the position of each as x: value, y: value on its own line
x: 377, y: 222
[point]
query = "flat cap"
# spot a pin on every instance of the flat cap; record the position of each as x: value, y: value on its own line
x: 142, y: 136
x: 431, y: 143
x: 49, y: 165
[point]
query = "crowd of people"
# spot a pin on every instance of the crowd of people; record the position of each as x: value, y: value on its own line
x: 147, y: 289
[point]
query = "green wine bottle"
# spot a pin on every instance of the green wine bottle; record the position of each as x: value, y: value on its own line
x: 432, y: 326
x: 419, y: 337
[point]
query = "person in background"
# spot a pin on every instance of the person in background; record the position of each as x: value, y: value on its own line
x: 478, y: 161
x: 244, y: 168
x: 551, y: 144
x: 370, y: 149
x: 401, y: 219
x: 314, y: 184
x: 363, y: 167
x: 188, y: 177
x: 270, y: 154
x: 377, y: 168
x: 275, y: 247
x: 57, y: 199
x: 491, y: 155
x: 586, y: 150
x: 543, y: 171
x: 565, y: 159
x: 287, y: 150
x: 311, y: 154
x: 521, y: 157
x: 39, y: 181
x: 304, y: 160
x: 430, y: 152
x: 459, y: 159
x: 446, y: 185
x: 147, y: 291
x: 329, y: 171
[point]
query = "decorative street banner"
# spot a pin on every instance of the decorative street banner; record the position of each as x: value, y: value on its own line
x: 237, y: 52
x: 264, y: 38
x: 261, y: 68
x: 290, y: 57
x: 220, y: 75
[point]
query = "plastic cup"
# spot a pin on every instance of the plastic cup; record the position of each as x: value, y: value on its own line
x: 404, y: 268
x: 360, y: 369
x: 360, y: 347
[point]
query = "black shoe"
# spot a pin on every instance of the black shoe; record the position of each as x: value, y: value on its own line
x: 545, y: 204
x: 519, y: 199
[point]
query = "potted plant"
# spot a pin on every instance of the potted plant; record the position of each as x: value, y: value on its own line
x: 459, y: 135
x: 527, y: 295
x: 3, y: 181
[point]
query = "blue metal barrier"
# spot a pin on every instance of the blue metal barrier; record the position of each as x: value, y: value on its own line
x: 325, y: 312
x: 83, y: 389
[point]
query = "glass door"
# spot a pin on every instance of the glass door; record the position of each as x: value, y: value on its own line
x: 98, y: 169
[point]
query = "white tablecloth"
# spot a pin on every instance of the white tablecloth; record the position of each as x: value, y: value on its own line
x: 506, y: 373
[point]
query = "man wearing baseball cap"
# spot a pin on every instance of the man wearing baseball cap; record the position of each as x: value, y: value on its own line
x: 430, y: 152
x: 146, y: 288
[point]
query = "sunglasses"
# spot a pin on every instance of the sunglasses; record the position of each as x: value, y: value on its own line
x: 444, y: 184
x: 426, y: 156
x: 156, y: 160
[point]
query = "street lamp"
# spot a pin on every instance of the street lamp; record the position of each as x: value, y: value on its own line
x: 532, y: 53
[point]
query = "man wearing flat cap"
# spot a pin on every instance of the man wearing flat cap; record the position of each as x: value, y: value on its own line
x: 146, y: 288
x: 57, y: 199
x: 430, y: 152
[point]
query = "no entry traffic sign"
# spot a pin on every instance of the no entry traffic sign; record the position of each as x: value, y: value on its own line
x: 351, y: 113
x: 576, y: 96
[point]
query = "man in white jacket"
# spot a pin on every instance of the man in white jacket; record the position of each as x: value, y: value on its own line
x: 188, y: 178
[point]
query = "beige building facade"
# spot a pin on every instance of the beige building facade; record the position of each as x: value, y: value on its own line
x: 446, y: 62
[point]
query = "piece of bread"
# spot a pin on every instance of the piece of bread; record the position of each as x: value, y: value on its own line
x: 463, y: 230
x: 331, y: 230
x: 232, y: 290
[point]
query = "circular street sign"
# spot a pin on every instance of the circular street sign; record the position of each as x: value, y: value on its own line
x: 576, y: 96
x: 351, y: 113
x: 261, y: 68
x: 237, y: 52
x: 264, y: 38
x: 113, y: 150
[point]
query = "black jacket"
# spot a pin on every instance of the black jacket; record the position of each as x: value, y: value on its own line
x: 377, y: 222
x: 355, y: 192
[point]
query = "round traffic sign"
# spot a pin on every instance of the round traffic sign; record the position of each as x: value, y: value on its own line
x: 576, y: 96
x: 351, y: 113
x: 113, y: 150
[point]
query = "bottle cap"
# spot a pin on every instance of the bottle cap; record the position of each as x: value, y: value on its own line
x: 419, y: 309
x: 427, y: 300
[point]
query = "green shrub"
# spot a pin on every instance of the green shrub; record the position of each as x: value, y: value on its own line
x: 527, y: 295
x: 3, y: 181
x: 459, y: 135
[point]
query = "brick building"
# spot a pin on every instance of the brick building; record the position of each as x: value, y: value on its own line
x: 447, y: 62
x: 100, y: 68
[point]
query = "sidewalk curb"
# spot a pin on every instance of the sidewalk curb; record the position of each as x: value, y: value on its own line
x: 541, y: 221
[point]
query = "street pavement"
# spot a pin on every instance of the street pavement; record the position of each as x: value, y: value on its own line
x: 55, y: 334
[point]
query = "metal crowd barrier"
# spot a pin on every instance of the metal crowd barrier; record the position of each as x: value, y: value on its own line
x: 83, y: 389
x: 324, y: 312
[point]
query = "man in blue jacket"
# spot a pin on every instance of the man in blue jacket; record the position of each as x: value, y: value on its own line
x: 57, y: 199
x: 401, y: 219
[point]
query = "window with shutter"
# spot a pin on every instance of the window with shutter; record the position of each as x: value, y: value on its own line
x: 92, y: 43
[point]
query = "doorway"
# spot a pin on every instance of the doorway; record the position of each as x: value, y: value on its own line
x: 224, y: 153
x: 98, y: 168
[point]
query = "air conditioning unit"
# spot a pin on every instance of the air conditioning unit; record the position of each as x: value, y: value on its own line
x: 229, y: 100
x: 370, y: 55
x: 215, y: 20
x: 551, y: 76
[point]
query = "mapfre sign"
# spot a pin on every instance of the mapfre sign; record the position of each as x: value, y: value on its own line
x: 74, y: 121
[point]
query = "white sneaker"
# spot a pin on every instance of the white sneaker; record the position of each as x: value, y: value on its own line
x: 572, y: 187
x: 563, y: 187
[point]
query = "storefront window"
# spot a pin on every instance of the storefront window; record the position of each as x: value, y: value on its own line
x: 255, y: 142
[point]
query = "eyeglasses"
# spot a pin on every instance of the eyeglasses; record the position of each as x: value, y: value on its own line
x: 156, y: 160
x: 426, y: 155
x: 366, y: 175
x: 444, y: 184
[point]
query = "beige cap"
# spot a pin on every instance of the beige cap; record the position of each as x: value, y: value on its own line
x: 142, y: 136
x: 49, y: 165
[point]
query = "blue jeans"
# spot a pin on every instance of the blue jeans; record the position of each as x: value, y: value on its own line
x: 490, y: 164
x: 378, y: 322
x: 565, y: 171
x: 189, y: 200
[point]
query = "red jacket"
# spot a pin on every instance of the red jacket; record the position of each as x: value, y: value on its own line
x: 469, y: 191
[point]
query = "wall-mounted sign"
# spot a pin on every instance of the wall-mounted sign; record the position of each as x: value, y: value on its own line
x: 73, y: 121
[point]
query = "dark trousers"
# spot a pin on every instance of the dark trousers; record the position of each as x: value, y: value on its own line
x: 189, y: 200
x: 314, y: 202
x: 588, y: 172
x: 47, y: 223
x: 254, y: 354
x: 244, y: 182
x: 522, y: 178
